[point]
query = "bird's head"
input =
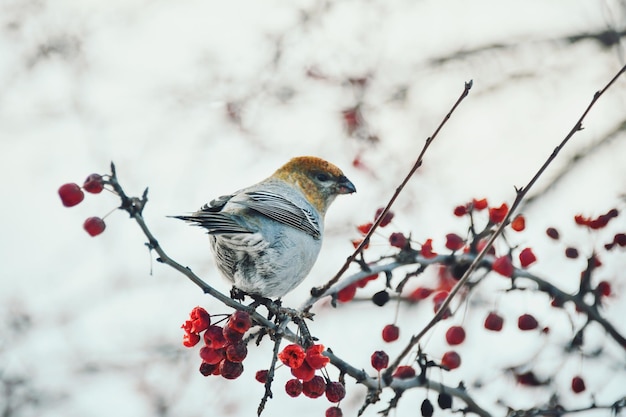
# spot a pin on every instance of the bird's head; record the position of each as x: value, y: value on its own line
x: 319, y: 180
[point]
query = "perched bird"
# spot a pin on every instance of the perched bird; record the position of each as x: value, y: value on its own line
x: 265, y: 238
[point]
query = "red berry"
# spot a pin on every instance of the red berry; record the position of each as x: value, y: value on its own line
x: 190, y: 339
x: 480, y: 204
x: 292, y: 355
x: 335, y: 391
x: 261, y: 376
x: 380, y: 360
x: 497, y: 214
x: 200, y: 320
x: 420, y: 294
x: 94, y: 226
x: 347, y: 294
x: 236, y: 352
x: 303, y: 372
x: 438, y: 300
x: 334, y: 412
x: 363, y: 281
x: 397, y: 240
x: 454, y: 241
x: 365, y: 228
x: 391, y: 332
x: 451, y: 360
x: 71, y: 194
x: 427, y: 249
x: 293, y: 387
x: 571, y: 253
x: 207, y: 369
x: 527, y: 322
x: 214, y: 337
x: 494, y: 322
x: 386, y: 219
x: 315, y: 358
x: 527, y: 257
x: 460, y: 211
x: 552, y: 233
x: 519, y: 223
x: 578, y: 384
x: 93, y: 184
x: 620, y: 239
x: 240, y: 321
x: 231, y: 335
x: 315, y: 387
x: 604, y: 288
x: 230, y: 370
x: 503, y: 266
x: 455, y: 335
x: 212, y: 356
x: 404, y: 372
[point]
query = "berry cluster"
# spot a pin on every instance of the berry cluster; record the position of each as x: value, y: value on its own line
x: 224, y: 348
x: 72, y: 194
x: 303, y: 365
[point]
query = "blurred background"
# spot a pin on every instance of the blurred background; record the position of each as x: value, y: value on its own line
x: 196, y: 99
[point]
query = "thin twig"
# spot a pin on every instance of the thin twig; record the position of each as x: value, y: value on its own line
x: 520, y: 194
x: 317, y: 292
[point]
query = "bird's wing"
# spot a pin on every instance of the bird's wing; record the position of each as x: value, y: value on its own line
x: 280, y: 209
x: 214, y: 220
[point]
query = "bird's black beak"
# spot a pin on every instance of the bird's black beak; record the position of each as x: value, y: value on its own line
x: 345, y: 186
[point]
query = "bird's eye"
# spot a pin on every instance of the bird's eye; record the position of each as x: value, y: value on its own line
x: 322, y: 177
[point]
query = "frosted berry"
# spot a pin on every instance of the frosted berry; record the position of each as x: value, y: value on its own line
x: 578, y: 384
x: 527, y: 322
x: 212, y: 356
x: 240, y: 321
x: 444, y: 400
x: 494, y: 322
x: 335, y: 391
x: 427, y: 408
x: 451, y: 360
x: 315, y: 387
x: 231, y: 335
x: 94, y: 226
x: 207, y: 369
x: 293, y: 387
x: 230, y: 370
x: 380, y: 360
x: 236, y: 352
x: 71, y: 194
x: 334, y: 412
x: 93, y: 184
x: 214, y: 337
x: 455, y: 335
x: 261, y: 376
x: 391, y: 332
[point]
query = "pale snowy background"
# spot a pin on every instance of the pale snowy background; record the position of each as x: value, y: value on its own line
x: 86, y: 330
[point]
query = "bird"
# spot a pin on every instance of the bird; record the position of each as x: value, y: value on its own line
x: 265, y: 238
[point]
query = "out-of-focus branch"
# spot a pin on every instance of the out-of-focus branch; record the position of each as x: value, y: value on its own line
x: 520, y: 194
